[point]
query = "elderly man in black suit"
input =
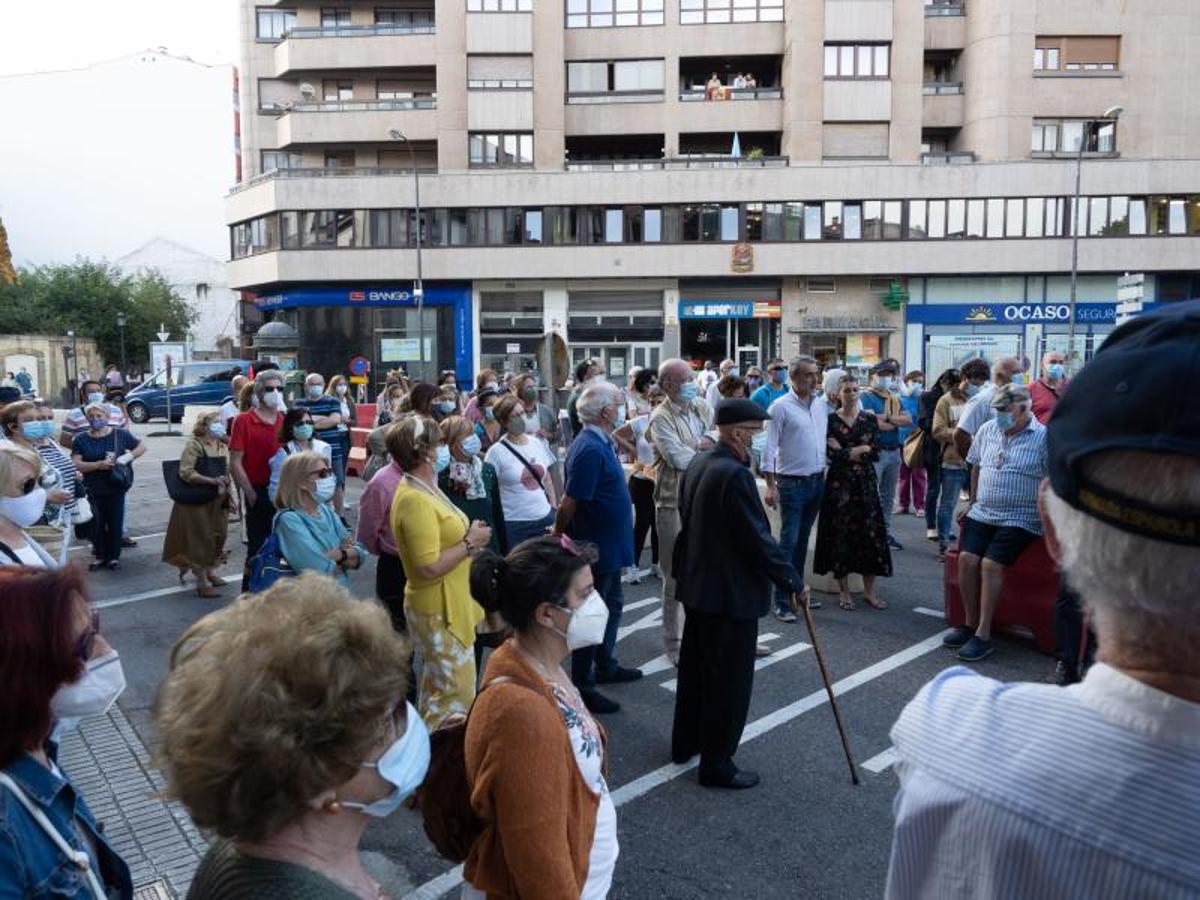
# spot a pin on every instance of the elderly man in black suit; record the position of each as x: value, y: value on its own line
x: 726, y: 560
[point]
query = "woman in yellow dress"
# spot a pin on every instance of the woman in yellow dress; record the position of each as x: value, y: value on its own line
x: 436, y: 542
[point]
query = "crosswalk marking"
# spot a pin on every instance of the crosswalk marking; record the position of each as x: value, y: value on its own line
x: 932, y: 613
x: 881, y: 761
x: 651, y: 620
x: 640, y: 604
x: 759, y: 665
x: 661, y: 663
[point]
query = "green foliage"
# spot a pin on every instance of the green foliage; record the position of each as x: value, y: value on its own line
x: 86, y: 297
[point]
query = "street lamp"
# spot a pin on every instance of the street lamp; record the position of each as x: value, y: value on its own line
x: 419, y: 286
x: 122, y: 321
x: 1111, y: 114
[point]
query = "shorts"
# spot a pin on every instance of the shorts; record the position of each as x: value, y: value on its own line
x: 1002, y: 544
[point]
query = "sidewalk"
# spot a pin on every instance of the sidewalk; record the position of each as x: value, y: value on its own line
x: 110, y: 767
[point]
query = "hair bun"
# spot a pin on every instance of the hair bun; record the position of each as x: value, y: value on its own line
x: 489, y: 580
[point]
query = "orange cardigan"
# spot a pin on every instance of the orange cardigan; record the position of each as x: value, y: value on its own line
x: 540, y: 814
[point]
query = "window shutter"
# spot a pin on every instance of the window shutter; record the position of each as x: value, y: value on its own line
x: 499, y: 68
x: 850, y: 140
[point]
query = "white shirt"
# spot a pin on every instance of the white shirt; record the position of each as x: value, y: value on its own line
x: 979, y: 410
x: 796, y: 436
x: 1036, y: 791
x: 521, y: 497
x: 645, y: 453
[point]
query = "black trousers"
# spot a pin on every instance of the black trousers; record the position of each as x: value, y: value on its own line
x: 389, y: 588
x: 258, y: 527
x: 712, y: 698
x: 1069, y: 632
x: 641, y: 491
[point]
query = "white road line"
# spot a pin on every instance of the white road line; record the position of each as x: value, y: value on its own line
x: 661, y: 663
x: 881, y: 761
x: 648, y: 782
x: 86, y: 545
x: 640, y: 604
x: 761, y: 663
x: 651, y: 620
x: 932, y: 613
x: 233, y: 578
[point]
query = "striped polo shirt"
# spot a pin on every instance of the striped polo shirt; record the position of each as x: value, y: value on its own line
x: 1035, y: 791
x: 1010, y: 470
x: 326, y: 405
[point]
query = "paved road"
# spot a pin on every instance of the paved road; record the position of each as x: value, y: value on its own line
x: 805, y: 832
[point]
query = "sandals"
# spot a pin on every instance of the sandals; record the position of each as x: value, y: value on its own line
x: 210, y: 593
x: 874, y: 602
x: 846, y: 602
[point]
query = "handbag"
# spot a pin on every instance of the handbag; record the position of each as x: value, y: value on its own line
x: 190, y: 494
x: 913, y: 452
x: 121, y: 474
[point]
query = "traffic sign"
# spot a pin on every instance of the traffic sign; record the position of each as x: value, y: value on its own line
x: 360, y: 366
x: 163, y: 334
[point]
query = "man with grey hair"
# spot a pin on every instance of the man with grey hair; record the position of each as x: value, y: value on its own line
x: 676, y: 432
x: 1032, y: 790
x: 596, y: 508
x: 1008, y: 462
x: 252, y: 443
x: 979, y: 410
x: 711, y: 395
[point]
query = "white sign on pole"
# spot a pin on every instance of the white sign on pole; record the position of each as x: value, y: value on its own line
x: 1128, y: 280
x: 175, y: 350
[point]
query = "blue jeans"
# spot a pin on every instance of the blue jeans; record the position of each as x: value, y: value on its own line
x: 799, y: 503
x: 887, y: 473
x: 952, y: 483
x: 515, y: 532
x: 586, y: 662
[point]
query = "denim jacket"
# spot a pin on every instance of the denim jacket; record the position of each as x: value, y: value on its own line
x: 31, y: 865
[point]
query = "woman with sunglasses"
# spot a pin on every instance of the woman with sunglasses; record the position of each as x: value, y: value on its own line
x: 296, y: 436
x: 311, y: 536
x: 54, y: 666
x: 105, y: 455
x: 22, y: 503
x: 30, y: 424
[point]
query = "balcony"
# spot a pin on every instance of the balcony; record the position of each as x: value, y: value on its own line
x: 945, y: 26
x: 759, y: 109
x: 942, y: 105
x: 943, y: 8
x: 356, y: 121
x: 947, y: 158
x: 356, y: 47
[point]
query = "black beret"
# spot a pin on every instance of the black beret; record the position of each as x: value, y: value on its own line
x: 735, y: 410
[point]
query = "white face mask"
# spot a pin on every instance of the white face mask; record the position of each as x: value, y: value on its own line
x: 94, y: 693
x: 587, y: 624
x: 25, y: 510
x: 403, y: 766
x: 315, y: 391
x: 273, y: 399
x: 341, y: 390
x: 325, y: 489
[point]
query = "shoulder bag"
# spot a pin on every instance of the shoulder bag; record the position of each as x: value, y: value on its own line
x: 121, y: 474
x: 528, y: 465
x: 185, y: 492
x: 913, y: 452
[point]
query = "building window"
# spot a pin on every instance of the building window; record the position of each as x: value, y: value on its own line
x: 820, y: 285
x: 610, y: 13
x: 404, y: 18
x: 389, y: 89
x: 1066, y: 135
x: 500, y: 150
x: 857, y: 60
x: 720, y: 12
x: 491, y: 73
x: 499, y: 5
x: 1077, y: 54
x: 339, y: 159
x: 274, y: 23
x: 281, y: 159
x: 598, y: 82
x: 335, y: 17
x: 333, y: 91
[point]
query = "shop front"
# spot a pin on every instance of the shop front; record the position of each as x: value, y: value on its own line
x: 382, y: 323
x: 744, y: 327
x: 620, y: 329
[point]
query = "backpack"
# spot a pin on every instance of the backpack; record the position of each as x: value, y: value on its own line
x: 268, y: 565
x: 444, y: 797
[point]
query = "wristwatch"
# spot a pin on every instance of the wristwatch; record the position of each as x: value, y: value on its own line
x: 342, y: 559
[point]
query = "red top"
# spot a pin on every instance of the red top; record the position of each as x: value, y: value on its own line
x: 258, y: 441
x: 1044, y: 398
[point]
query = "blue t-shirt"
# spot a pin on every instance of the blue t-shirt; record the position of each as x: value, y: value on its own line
x: 911, y: 405
x: 872, y: 402
x: 93, y: 449
x: 768, y: 394
x: 604, y: 514
x: 327, y: 406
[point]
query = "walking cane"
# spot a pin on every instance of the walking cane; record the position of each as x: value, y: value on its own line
x: 837, y: 716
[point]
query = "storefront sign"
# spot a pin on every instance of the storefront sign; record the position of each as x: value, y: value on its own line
x: 862, y: 349
x: 845, y: 323
x: 1012, y: 313
x: 730, y: 309
x: 404, y: 349
x: 512, y: 348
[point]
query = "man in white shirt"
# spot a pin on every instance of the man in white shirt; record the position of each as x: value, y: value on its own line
x: 979, y: 410
x: 793, y: 465
x: 1032, y: 790
x: 711, y: 394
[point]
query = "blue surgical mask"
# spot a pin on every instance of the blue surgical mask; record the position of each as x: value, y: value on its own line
x: 443, y: 459
x: 97, y: 424
x: 95, y: 397
x: 972, y: 389
x: 302, y: 432
x: 759, y: 442
x: 1005, y: 420
x: 1018, y: 378
x: 217, y: 429
x: 1056, y: 371
x: 403, y: 766
x: 35, y: 431
x: 315, y: 391
x: 687, y: 392
x: 886, y: 382
x: 779, y: 376
x: 326, y: 488
x: 445, y: 407
x: 489, y: 415
x: 620, y: 418
x: 471, y: 444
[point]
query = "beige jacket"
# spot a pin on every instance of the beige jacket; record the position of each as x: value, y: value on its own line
x: 675, y: 435
x: 946, y: 414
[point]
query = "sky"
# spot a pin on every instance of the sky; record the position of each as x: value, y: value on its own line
x: 104, y: 147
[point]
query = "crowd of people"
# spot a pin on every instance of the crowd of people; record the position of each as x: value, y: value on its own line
x: 490, y: 542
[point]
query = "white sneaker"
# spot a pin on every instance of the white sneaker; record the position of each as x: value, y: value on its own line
x: 631, y: 576
x: 931, y: 534
x: 656, y: 569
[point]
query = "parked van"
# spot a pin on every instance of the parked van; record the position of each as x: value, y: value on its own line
x: 192, y: 384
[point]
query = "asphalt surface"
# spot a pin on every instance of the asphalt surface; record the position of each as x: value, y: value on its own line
x: 804, y: 832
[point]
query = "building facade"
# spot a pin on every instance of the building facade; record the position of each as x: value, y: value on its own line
x: 710, y: 178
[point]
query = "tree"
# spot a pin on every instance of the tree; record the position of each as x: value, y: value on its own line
x: 7, y: 274
x: 86, y: 297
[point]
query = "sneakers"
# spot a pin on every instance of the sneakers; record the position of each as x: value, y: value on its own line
x: 931, y: 534
x: 785, y: 615
x: 1064, y: 676
x: 656, y: 571
x: 596, y: 702
x: 899, y: 510
x: 894, y: 544
x: 764, y: 650
x: 634, y: 575
x: 975, y: 649
x: 958, y: 636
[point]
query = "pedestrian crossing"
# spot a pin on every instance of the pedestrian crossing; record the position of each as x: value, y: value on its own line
x: 777, y: 656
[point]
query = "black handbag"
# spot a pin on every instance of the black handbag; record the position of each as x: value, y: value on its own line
x: 193, y: 494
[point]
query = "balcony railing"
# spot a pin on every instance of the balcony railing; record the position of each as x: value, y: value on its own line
x: 423, y: 102
x: 327, y: 172
x: 417, y: 26
x: 945, y: 9
x: 684, y: 161
x: 590, y: 97
x: 933, y: 88
x: 947, y: 158
x: 691, y: 95
x: 614, y: 165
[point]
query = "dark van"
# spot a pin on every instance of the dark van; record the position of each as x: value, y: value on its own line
x: 204, y: 383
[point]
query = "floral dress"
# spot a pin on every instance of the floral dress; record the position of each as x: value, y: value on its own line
x: 851, y: 536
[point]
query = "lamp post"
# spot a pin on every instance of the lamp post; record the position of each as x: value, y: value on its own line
x: 122, y: 321
x: 1111, y: 114
x: 419, y: 285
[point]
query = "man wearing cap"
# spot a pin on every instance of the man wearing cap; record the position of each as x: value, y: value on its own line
x: 1031, y: 790
x: 726, y: 561
x: 882, y: 400
x: 1008, y: 459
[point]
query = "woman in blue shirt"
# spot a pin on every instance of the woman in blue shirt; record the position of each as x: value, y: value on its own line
x: 105, y: 455
x: 54, y: 665
x: 311, y: 536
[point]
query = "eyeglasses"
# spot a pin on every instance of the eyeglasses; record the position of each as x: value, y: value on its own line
x: 321, y: 473
x: 28, y: 485
x: 268, y: 390
x: 87, y: 640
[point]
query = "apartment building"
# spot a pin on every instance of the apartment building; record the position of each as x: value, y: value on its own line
x: 710, y: 178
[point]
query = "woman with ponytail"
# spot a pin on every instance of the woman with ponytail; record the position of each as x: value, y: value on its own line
x: 535, y: 757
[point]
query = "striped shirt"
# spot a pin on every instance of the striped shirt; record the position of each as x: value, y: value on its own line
x: 1034, y: 791
x: 327, y: 406
x: 1010, y: 470
x: 56, y: 458
x: 796, y: 436
x: 76, y: 421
